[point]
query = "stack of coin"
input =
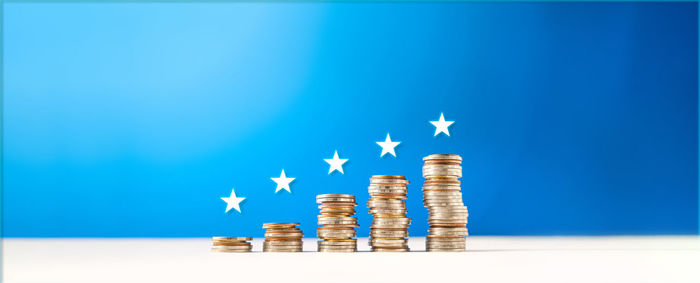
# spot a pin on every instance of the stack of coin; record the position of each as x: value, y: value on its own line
x: 389, y: 230
x: 337, y: 223
x: 282, y: 237
x: 447, y: 215
x: 231, y: 244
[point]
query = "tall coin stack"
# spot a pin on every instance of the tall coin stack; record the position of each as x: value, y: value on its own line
x: 231, y: 244
x: 337, y: 223
x: 447, y: 215
x: 282, y: 237
x: 389, y: 230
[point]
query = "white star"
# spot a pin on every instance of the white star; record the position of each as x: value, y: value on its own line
x: 388, y: 146
x: 283, y: 182
x: 441, y: 125
x: 336, y: 163
x: 233, y: 202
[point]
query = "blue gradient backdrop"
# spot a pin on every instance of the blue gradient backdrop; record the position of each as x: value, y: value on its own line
x: 131, y: 120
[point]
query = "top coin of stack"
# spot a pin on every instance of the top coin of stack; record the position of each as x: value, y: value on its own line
x: 443, y: 197
x: 338, y: 224
x: 282, y: 237
x: 389, y: 230
x: 231, y: 244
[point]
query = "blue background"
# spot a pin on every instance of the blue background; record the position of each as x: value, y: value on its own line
x: 131, y: 120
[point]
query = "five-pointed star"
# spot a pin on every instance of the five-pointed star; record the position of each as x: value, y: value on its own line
x: 388, y: 146
x: 336, y: 163
x: 233, y: 202
x: 283, y: 182
x: 441, y: 125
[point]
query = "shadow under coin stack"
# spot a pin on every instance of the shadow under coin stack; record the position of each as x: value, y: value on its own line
x: 338, y: 224
x: 443, y: 198
x: 389, y: 230
x: 231, y: 244
x: 282, y: 237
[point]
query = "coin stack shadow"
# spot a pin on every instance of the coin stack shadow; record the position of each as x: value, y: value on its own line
x: 337, y: 223
x: 447, y: 214
x: 231, y: 244
x: 282, y: 237
x: 389, y: 230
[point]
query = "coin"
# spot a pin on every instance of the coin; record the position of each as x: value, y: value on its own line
x: 447, y: 215
x: 223, y: 249
x: 389, y: 227
x: 282, y: 237
x: 231, y: 244
x: 337, y: 223
x: 232, y: 238
x: 279, y: 225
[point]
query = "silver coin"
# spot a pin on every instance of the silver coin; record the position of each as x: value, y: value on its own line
x: 446, y: 239
x: 386, y: 250
x: 324, y: 250
x: 443, y: 221
x: 387, y: 211
x: 448, y: 216
x: 446, y: 250
x: 376, y: 233
x: 283, y: 234
x: 388, y: 242
x: 442, y: 188
x: 334, y: 196
x: 443, y: 245
x: 388, y: 206
x: 395, y: 207
x: 231, y: 238
x: 458, y: 207
x: 446, y: 232
x: 372, y: 202
x: 387, y: 220
x: 343, y: 200
x: 441, y: 193
x: 388, y: 179
x: 283, y: 243
x: 282, y: 250
x: 433, y: 157
x: 388, y: 226
x: 336, y: 233
x: 448, y: 210
x: 388, y: 186
x: 442, y: 202
x: 336, y: 222
x: 447, y: 220
x: 434, y: 198
x: 393, y: 192
x: 339, y: 218
x: 446, y: 172
x: 444, y: 166
x: 337, y: 244
x: 218, y: 249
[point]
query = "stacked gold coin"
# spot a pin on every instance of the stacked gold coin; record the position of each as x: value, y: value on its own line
x: 447, y: 215
x: 282, y: 237
x: 337, y: 223
x: 389, y: 230
x: 231, y: 244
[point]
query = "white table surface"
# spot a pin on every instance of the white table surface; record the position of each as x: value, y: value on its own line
x: 488, y: 259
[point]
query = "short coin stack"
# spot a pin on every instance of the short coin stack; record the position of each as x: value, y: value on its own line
x: 389, y: 230
x: 337, y: 223
x: 282, y: 237
x: 231, y: 244
x: 443, y: 198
